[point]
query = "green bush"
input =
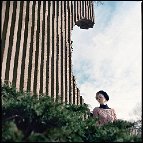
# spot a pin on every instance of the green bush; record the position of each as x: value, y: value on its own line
x: 31, y: 119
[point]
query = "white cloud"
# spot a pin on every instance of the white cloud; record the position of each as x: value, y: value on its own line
x: 110, y: 58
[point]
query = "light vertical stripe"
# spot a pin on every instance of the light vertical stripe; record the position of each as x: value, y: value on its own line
x: 80, y: 13
x: 40, y: 49
x: 14, y: 43
x: 45, y: 50
x: 34, y: 47
x: 86, y: 9
x: 34, y: 65
x: 72, y: 14
x: 76, y: 11
x: 50, y: 48
x: 21, y: 47
x: 63, y: 66
x: 71, y: 89
x: 89, y: 9
x: 3, y: 15
x: 3, y: 70
x: 59, y: 62
x: 67, y: 50
x: 28, y: 46
x: 55, y: 49
x: 78, y: 96
x: 75, y: 93
x: 92, y: 19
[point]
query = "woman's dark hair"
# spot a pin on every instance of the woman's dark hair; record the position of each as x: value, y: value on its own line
x: 103, y: 93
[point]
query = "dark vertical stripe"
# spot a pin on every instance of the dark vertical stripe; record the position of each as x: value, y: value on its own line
x: 61, y: 54
x: 88, y: 9
x: 92, y: 13
x: 75, y: 11
x: 85, y: 9
x: 24, y: 47
x: 68, y: 58
x: 80, y: 9
x: 18, y: 44
x: 72, y: 14
x: 77, y: 95
x: 73, y: 90
x: 77, y: 7
x: 31, y: 47
x: 70, y: 92
x: 80, y: 100
x: 52, y: 58
x: 5, y: 29
x: 65, y: 46
x: 78, y: 103
x: 57, y: 59
x: 10, y: 40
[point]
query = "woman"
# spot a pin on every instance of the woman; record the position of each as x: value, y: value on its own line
x: 103, y: 113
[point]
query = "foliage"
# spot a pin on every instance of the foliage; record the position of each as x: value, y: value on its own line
x: 98, y: 2
x: 34, y: 119
x: 10, y: 132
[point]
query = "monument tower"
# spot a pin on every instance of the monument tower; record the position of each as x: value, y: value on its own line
x: 36, y: 45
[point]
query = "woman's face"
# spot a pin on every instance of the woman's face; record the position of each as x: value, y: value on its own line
x: 100, y: 98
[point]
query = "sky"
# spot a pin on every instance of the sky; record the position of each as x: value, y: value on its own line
x: 108, y: 57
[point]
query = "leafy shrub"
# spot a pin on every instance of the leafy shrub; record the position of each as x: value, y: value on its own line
x: 34, y: 119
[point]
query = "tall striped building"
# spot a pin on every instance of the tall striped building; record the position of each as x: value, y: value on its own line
x: 36, y: 46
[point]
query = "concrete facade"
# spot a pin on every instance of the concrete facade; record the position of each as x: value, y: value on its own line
x: 36, y: 48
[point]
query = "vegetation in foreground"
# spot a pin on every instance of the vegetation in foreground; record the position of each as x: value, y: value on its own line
x: 26, y: 118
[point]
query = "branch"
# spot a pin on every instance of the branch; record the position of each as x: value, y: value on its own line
x: 12, y: 117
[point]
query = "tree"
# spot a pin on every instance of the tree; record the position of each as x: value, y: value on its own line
x: 98, y: 2
x: 137, y: 111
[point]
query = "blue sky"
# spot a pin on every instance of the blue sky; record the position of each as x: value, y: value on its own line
x: 108, y: 57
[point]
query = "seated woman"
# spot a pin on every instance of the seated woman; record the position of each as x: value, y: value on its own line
x: 103, y: 113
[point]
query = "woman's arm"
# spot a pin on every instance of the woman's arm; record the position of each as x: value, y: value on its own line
x: 95, y: 112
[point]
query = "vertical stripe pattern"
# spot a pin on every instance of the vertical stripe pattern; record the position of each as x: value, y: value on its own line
x: 37, y: 47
